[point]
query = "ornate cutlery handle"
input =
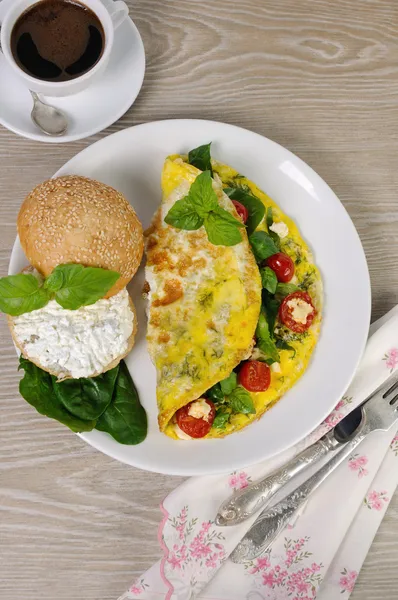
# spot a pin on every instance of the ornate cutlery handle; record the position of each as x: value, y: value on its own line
x: 246, y: 502
x: 271, y: 521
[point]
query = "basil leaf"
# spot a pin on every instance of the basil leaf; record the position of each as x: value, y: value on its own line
x: 270, y: 221
x: 271, y: 307
x: 284, y: 289
x: 36, y: 387
x: 241, y: 401
x: 255, y: 207
x: 226, y: 216
x: 200, y: 158
x: 229, y: 383
x: 81, y: 285
x: 282, y: 345
x: 183, y: 215
x: 55, y: 280
x: 269, y: 279
x: 125, y: 418
x: 221, y: 419
x: 21, y: 294
x: 86, y: 398
x: 215, y: 394
x: 201, y: 194
x: 221, y: 231
x: 264, y: 341
x: 263, y: 245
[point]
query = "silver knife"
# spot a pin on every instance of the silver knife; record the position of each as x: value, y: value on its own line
x: 379, y: 413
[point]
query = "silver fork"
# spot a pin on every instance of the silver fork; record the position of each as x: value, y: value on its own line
x: 379, y: 413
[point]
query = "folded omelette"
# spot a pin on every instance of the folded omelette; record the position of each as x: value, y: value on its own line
x: 208, y: 308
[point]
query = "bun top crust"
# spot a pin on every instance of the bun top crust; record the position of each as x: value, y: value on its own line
x: 74, y: 219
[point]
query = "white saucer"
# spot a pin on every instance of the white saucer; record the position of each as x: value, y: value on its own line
x: 90, y: 111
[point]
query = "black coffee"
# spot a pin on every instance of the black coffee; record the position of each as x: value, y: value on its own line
x: 57, y: 40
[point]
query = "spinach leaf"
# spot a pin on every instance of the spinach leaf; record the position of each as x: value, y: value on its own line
x: 221, y: 419
x: 87, y: 398
x: 221, y: 230
x: 76, y: 285
x: 269, y: 279
x: 241, y: 401
x: 255, y: 207
x: 271, y: 308
x: 229, y: 383
x: 183, y: 215
x: 282, y: 345
x: 200, y: 158
x: 36, y: 387
x: 263, y: 245
x: 21, y: 294
x: 270, y: 221
x: 215, y: 394
x: 125, y: 418
x: 284, y: 289
x: 264, y: 341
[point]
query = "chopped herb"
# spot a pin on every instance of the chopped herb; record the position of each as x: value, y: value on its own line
x: 206, y: 300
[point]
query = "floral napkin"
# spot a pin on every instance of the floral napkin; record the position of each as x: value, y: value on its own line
x: 317, y: 556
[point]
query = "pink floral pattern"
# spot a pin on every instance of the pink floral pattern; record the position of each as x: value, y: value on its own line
x: 299, y: 576
x: 394, y: 445
x: 391, y: 358
x: 238, y: 481
x: 138, y: 587
x: 336, y: 415
x: 358, y: 463
x: 204, y: 548
x: 347, y: 580
x: 376, y: 500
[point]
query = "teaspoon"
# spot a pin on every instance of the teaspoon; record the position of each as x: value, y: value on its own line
x: 49, y: 119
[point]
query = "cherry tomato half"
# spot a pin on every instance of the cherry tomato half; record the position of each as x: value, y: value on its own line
x: 196, y: 428
x: 286, y: 312
x: 241, y: 210
x: 282, y: 265
x: 255, y: 376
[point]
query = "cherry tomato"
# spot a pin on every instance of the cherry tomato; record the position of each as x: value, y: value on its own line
x: 255, y: 376
x: 241, y: 210
x: 282, y: 265
x: 195, y: 428
x: 286, y: 312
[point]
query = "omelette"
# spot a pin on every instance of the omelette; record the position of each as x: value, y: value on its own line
x: 235, y: 299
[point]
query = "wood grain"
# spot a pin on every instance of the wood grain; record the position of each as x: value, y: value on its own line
x: 320, y: 78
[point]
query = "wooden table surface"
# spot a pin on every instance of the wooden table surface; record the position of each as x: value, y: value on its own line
x: 321, y: 78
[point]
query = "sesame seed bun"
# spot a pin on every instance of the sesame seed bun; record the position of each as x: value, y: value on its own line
x: 74, y: 219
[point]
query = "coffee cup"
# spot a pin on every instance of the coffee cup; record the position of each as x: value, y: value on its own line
x: 110, y: 14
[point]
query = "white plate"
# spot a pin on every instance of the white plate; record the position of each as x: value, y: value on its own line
x: 93, y: 109
x: 131, y: 161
